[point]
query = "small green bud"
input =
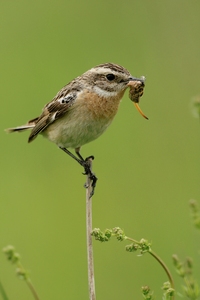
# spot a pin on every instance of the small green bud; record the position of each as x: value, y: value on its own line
x: 195, y: 106
x: 145, y: 289
x: 99, y: 235
x: 13, y: 256
x: 168, y: 290
x: 119, y: 233
x: 166, y: 285
x: 192, y: 289
x: 21, y: 273
x: 175, y: 260
x: 9, y: 251
x: 180, y: 269
x: 132, y: 247
x: 189, y: 262
x: 145, y: 246
x: 195, y: 213
x: 147, y: 295
x: 108, y: 233
x: 193, y: 205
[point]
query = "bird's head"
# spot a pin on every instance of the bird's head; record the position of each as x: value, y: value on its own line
x: 109, y: 80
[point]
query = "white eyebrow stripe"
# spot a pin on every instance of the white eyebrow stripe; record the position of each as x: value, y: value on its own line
x: 104, y: 93
x: 102, y: 70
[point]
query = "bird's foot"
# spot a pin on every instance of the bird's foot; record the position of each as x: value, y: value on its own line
x: 87, y: 165
x: 87, y: 168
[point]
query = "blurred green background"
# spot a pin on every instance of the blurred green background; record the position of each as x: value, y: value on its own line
x: 147, y: 170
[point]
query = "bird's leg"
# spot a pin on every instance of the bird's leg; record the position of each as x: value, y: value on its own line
x: 85, y: 164
x: 86, y: 167
x: 77, y: 150
x: 72, y: 155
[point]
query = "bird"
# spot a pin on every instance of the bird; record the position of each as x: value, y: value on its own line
x: 83, y: 109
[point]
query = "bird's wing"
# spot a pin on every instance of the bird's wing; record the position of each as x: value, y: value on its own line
x: 53, y: 110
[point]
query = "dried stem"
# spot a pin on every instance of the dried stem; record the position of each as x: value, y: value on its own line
x: 91, y: 282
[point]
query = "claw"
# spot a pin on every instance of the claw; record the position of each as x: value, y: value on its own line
x: 88, y: 171
x: 89, y: 157
x: 94, y: 181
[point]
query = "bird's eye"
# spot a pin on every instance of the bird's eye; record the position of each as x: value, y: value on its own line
x: 110, y: 77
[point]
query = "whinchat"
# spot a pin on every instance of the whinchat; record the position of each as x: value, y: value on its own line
x: 84, y: 108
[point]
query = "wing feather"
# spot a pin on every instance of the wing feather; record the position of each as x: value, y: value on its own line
x: 55, y: 109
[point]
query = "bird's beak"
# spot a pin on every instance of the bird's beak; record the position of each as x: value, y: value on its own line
x: 136, y: 91
x: 141, y: 79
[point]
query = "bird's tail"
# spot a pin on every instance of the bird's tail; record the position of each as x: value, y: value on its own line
x: 29, y: 125
x: 20, y: 128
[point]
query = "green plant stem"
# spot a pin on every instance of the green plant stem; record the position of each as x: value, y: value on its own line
x: 27, y: 280
x: 160, y: 261
x: 164, y: 267
x: 32, y: 289
x: 3, y: 293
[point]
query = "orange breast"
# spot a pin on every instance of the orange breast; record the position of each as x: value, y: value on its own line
x: 99, y: 107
